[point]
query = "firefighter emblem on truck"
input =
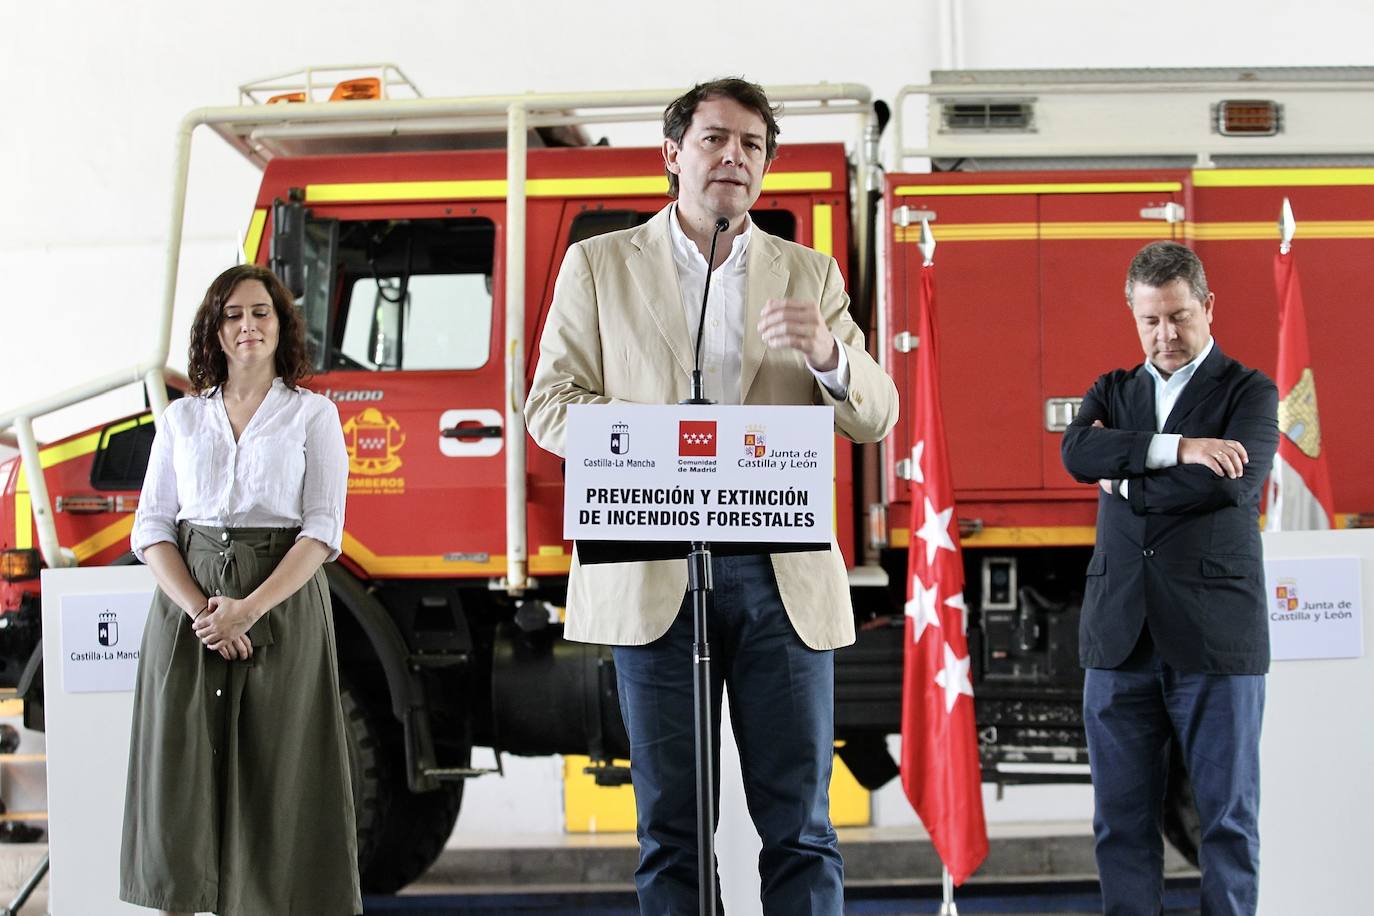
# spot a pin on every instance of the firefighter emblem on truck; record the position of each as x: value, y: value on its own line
x: 373, y: 440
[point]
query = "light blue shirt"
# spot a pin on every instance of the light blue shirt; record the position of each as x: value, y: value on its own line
x: 1163, y: 452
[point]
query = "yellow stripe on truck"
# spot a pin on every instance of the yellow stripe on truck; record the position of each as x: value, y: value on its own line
x: 431, y: 564
x: 23, y: 521
x: 253, y: 240
x: 1269, y: 230
x: 823, y: 229
x: 1232, y: 231
x: 495, y: 188
x: 1045, y: 536
x: 105, y: 537
x: 1271, y: 178
x: 403, y: 190
x: 1067, y: 187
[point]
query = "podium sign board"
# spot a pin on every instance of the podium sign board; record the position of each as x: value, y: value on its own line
x: 693, y: 472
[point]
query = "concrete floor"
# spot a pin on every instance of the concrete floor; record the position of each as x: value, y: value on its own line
x: 877, y: 860
x: 17, y: 862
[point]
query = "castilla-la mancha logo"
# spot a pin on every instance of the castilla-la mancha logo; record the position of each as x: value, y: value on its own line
x: 107, y: 628
x: 620, y: 439
x: 696, y: 438
x: 754, y: 446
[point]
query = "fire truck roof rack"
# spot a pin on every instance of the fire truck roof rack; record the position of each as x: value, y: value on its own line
x: 318, y: 84
x: 304, y: 136
x: 1113, y: 118
x: 312, y: 125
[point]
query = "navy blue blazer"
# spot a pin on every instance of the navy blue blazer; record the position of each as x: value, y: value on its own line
x: 1183, y: 552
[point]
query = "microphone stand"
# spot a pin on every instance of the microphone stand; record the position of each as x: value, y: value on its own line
x: 699, y: 586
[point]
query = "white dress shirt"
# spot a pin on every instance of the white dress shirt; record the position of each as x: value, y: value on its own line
x: 288, y: 469
x: 722, y: 339
x: 1163, y: 451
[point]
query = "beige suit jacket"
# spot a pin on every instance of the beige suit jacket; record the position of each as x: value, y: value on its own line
x: 616, y: 333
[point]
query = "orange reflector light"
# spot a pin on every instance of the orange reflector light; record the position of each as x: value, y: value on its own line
x: 367, y: 87
x: 1249, y: 118
x: 19, y: 564
x: 287, y: 97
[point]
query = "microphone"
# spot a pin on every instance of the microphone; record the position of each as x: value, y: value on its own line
x: 698, y: 388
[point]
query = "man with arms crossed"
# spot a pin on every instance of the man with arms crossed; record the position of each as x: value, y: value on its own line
x: 1174, y: 635
x: 778, y: 331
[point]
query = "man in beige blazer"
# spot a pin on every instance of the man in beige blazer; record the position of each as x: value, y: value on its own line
x: 779, y: 332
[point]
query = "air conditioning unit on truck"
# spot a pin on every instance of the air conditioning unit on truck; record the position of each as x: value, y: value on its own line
x: 423, y: 237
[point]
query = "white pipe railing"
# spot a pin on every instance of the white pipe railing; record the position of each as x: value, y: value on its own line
x: 517, y: 561
x: 244, y: 127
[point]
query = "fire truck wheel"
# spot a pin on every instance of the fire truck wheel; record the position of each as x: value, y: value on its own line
x: 400, y: 834
x: 1181, y: 827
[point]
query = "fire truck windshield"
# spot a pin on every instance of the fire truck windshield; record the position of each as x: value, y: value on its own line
x: 408, y: 294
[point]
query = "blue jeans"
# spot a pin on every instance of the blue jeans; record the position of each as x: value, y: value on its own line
x: 782, y: 702
x: 1130, y: 714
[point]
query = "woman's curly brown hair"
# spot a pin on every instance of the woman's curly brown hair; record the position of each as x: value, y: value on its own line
x: 206, y: 365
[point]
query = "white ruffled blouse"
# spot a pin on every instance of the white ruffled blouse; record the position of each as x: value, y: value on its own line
x: 288, y: 469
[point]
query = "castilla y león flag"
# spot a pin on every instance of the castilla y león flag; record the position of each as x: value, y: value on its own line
x: 1299, y: 484
x: 940, y: 770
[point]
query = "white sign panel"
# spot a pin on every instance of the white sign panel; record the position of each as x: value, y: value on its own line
x: 88, y: 736
x: 1314, y: 607
x: 699, y: 473
x: 100, y: 639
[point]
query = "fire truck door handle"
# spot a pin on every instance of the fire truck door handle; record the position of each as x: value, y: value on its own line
x: 473, y: 432
x: 1059, y: 413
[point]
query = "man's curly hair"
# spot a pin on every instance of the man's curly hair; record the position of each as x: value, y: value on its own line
x: 206, y: 365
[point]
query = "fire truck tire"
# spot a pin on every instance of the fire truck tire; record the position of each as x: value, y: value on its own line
x: 1181, y: 825
x: 400, y: 833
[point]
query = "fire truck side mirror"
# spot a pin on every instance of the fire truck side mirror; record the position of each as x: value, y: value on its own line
x: 287, y: 251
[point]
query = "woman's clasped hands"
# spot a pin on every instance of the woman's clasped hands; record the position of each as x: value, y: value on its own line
x: 223, y: 626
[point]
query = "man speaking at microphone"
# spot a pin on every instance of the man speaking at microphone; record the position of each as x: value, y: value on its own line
x: 777, y: 330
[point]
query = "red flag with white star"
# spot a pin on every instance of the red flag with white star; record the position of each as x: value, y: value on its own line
x: 941, y: 773
x: 1299, y: 484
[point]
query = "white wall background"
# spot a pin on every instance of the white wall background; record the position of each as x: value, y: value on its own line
x: 94, y: 92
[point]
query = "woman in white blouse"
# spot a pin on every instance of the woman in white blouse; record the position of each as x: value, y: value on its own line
x: 239, y: 799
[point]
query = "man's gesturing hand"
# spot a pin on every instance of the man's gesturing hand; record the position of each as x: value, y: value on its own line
x: 796, y: 324
x: 1226, y: 457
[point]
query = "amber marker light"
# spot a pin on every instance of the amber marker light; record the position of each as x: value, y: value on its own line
x: 367, y: 87
x: 16, y: 565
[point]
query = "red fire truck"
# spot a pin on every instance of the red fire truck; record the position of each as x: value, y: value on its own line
x: 423, y: 237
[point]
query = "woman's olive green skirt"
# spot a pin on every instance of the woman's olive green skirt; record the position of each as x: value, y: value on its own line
x: 239, y: 801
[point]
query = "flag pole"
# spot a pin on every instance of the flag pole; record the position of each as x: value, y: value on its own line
x: 947, y: 906
x: 1288, y: 227
x: 1274, y: 493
